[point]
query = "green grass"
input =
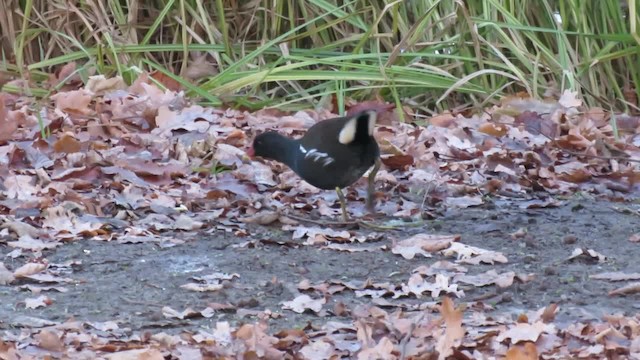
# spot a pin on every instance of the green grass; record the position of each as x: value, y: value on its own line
x: 431, y: 54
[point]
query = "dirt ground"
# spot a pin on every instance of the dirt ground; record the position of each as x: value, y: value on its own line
x: 131, y: 283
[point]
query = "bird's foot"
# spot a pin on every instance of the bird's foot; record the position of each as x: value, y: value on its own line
x: 343, y: 205
x: 371, y: 188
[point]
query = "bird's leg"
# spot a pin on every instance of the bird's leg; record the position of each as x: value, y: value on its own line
x: 372, y: 185
x: 343, y: 204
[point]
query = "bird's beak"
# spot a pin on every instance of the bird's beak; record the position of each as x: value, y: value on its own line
x: 248, y: 156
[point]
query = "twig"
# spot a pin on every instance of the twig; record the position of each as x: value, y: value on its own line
x: 363, y: 223
x: 321, y: 222
x: 137, y: 302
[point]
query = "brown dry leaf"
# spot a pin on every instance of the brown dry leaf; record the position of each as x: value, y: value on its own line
x: 632, y: 288
x: 492, y: 129
x: 67, y: 71
x: 26, y: 242
x: 423, y: 244
x: 40, y: 301
x: 67, y: 144
x: 528, y: 351
x: 417, y: 285
x: 264, y: 217
x: 588, y: 254
x: 383, y: 350
x: 616, y: 276
x: 440, y: 267
x: 526, y: 332
x: 187, y: 223
x: 301, y: 232
x: 100, y: 85
x: 7, y: 127
x: 8, y: 351
x: 188, y: 313
x: 166, y: 81
x: 318, y: 350
x: 451, y: 336
x: 136, y: 354
x: 397, y: 162
x: 303, y: 302
x: 444, y: 120
x: 21, y: 187
x: 473, y: 255
x: 490, y: 277
x: 569, y: 99
x: 378, y: 106
x: 256, y: 172
x: 464, y: 201
x: 48, y: 278
x: 38, y: 289
x: 217, y: 276
x: 29, y: 269
x: 21, y: 228
x: 202, y: 287
x: 76, y: 101
x: 194, y: 119
x: 199, y: 67
x: 259, y: 344
x: 6, y: 276
x: 50, y: 340
x: 354, y: 248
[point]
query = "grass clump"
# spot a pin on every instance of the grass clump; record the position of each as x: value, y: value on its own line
x: 433, y: 55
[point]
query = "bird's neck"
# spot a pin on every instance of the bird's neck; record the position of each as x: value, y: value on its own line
x: 284, y: 150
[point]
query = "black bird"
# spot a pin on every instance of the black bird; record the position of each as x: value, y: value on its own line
x: 333, y: 154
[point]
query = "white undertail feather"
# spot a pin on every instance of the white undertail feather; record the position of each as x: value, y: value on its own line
x: 372, y: 121
x: 348, y: 132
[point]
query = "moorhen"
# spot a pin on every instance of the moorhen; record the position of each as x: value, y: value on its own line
x: 333, y: 154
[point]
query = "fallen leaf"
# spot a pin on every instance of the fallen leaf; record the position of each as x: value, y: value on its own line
x: 303, y: 302
x: 616, y: 276
x: 318, y: 350
x: 40, y: 301
x: 527, y: 351
x: 451, y: 337
x: 490, y: 277
x: 67, y: 144
x: 418, y: 285
x: 464, y: 201
x: 50, y: 340
x: 264, y: 217
x: 474, y: 255
x: 202, y: 287
x: 423, y: 244
x: 136, y: 354
x: 588, y: 254
x: 383, y: 350
x: 569, y: 99
x: 188, y: 313
x: 29, y: 269
x: 6, y: 276
x: 526, y: 332
x: 632, y: 288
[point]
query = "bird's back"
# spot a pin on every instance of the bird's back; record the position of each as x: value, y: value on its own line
x: 327, y: 163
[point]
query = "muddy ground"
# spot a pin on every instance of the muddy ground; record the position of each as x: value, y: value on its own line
x: 131, y: 283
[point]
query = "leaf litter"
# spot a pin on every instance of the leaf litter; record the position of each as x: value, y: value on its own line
x: 143, y: 168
